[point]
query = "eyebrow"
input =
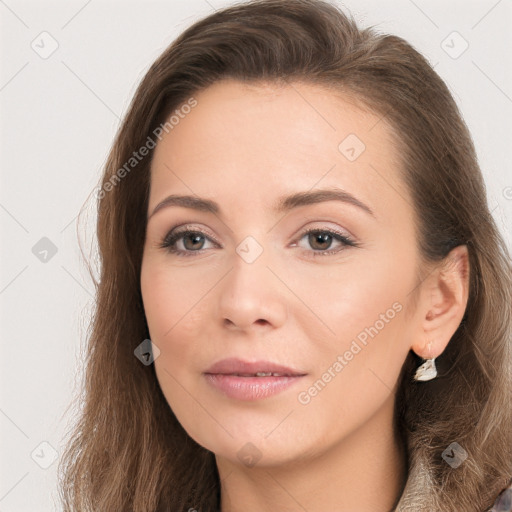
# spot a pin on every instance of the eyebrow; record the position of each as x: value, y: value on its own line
x: 284, y: 204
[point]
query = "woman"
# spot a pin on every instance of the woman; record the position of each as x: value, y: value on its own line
x: 292, y: 212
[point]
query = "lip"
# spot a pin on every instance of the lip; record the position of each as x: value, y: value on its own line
x: 234, y: 365
x: 222, y: 376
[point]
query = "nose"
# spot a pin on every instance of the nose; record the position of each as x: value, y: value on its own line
x: 251, y: 297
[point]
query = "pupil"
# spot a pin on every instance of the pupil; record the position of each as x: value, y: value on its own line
x: 194, y: 238
x: 322, y: 238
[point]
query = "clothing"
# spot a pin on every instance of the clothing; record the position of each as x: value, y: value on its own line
x: 418, y: 496
x: 504, y: 501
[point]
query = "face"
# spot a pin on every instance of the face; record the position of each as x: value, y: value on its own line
x: 319, y: 284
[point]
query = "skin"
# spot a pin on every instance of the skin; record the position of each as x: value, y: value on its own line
x: 245, y: 146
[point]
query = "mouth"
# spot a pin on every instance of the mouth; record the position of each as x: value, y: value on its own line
x: 240, y: 368
x: 259, y: 374
x: 249, y: 381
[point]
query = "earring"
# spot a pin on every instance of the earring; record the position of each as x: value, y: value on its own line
x: 427, y: 371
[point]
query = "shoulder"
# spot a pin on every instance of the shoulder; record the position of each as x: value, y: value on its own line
x: 503, y: 502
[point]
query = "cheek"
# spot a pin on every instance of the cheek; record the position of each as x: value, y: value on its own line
x: 173, y: 311
x: 171, y: 297
x: 344, y: 299
x: 177, y: 312
x: 360, y: 311
x: 356, y: 372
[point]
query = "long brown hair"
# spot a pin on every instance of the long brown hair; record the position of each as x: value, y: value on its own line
x: 127, y: 451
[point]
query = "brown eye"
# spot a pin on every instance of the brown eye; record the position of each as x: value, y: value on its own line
x: 320, y: 240
x: 186, y: 242
x: 193, y: 241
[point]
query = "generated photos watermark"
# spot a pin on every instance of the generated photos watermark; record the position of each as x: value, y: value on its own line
x: 305, y: 397
x: 143, y: 151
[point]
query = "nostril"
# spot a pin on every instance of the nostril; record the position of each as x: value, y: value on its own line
x: 231, y: 324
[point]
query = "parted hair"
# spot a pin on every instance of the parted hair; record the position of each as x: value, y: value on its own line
x: 126, y: 451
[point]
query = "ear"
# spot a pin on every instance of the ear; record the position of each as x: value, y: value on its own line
x: 442, y: 303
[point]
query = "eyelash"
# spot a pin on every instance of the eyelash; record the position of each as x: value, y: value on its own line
x: 171, y: 238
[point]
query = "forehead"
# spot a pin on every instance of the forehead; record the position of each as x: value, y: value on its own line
x: 266, y: 139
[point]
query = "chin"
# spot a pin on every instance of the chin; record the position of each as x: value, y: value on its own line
x: 249, y: 447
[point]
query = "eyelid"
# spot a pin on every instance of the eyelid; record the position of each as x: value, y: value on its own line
x: 176, y: 233
x: 185, y: 228
x: 327, y: 225
x: 346, y: 240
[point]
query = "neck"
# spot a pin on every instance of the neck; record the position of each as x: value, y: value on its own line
x: 365, y: 471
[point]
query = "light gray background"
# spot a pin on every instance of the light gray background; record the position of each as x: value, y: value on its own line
x: 58, y: 118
